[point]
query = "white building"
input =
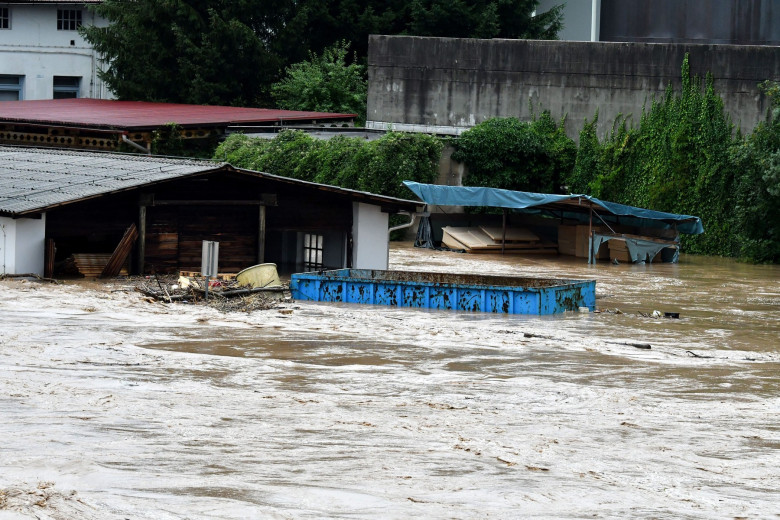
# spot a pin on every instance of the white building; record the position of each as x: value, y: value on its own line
x: 42, y: 54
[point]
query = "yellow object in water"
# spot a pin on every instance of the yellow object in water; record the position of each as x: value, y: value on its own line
x: 261, y: 275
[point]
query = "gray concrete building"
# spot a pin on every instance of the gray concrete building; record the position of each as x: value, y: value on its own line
x: 446, y: 85
x: 742, y: 22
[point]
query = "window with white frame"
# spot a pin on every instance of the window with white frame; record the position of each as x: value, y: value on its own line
x: 5, y: 18
x: 68, y: 19
x: 312, y: 252
x: 11, y: 87
x: 66, y: 87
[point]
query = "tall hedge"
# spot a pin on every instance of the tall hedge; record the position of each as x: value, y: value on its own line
x: 378, y: 166
x: 515, y: 155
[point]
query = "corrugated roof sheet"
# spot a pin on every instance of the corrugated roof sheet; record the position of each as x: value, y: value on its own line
x: 131, y: 115
x: 35, y: 179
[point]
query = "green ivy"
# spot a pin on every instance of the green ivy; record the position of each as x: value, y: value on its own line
x: 378, y: 166
x: 510, y: 154
x: 686, y: 156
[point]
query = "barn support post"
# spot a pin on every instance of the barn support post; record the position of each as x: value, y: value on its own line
x: 261, y: 235
x: 143, y: 201
x: 591, y: 254
x: 503, y: 232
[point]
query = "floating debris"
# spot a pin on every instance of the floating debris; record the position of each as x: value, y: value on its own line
x: 224, y: 295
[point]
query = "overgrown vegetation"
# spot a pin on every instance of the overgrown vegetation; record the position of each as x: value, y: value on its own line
x: 224, y: 52
x: 324, y: 83
x: 377, y: 166
x: 510, y: 154
x: 685, y: 156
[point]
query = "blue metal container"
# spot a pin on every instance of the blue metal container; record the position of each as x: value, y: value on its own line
x: 465, y: 292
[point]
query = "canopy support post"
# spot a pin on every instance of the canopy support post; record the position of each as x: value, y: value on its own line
x: 591, y: 256
x: 503, y: 235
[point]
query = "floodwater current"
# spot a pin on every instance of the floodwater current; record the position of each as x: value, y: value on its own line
x: 114, y: 407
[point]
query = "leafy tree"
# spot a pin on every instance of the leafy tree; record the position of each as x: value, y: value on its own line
x: 510, y: 154
x: 757, y: 197
x: 324, y: 83
x: 317, y: 24
x: 483, y: 19
x: 231, y: 51
x: 188, y: 51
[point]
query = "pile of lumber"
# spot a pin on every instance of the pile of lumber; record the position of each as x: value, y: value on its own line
x: 619, y: 251
x: 486, y: 239
x: 92, y: 265
x: 574, y: 240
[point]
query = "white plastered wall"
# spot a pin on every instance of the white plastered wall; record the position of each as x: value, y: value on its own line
x: 370, y: 239
x: 22, y: 245
x: 32, y: 47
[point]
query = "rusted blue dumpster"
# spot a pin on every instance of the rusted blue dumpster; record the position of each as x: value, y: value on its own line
x: 465, y: 292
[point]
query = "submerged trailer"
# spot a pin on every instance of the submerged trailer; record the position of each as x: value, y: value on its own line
x: 465, y: 292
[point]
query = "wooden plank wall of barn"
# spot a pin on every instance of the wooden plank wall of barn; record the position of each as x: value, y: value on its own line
x: 174, y: 233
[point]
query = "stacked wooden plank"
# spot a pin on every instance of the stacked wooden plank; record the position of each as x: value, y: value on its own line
x: 574, y: 240
x: 119, y: 258
x: 92, y: 265
x: 493, y: 239
x: 619, y: 251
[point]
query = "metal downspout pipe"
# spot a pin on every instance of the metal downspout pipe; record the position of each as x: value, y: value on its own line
x: 135, y: 145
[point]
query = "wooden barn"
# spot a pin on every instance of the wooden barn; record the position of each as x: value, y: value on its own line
x: 59, y: 207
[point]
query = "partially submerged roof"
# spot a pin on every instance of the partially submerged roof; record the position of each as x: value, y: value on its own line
x: 34, y: 180
x: 569, y: 206
x: 141, y: 115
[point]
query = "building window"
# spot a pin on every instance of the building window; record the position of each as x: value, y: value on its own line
x: 5, y: 18
x: 66, y: 87
x: 312, y: 252
x: 68, y: 19
x: 11, y: 88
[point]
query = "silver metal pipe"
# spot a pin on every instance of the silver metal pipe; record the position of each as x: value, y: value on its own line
x: 135, y: 145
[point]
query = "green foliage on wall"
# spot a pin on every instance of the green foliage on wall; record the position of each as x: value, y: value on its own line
x: 510, y: 154
x: 686, y: 157
x: 377, y: 166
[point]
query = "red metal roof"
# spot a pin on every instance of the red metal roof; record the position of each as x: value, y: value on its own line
x: 137, y: 115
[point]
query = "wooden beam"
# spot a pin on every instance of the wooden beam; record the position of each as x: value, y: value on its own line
x: 208, y: 203
x: 121, y: 253
x: 503, y: 233
x: 141, y: 238
x: 48, y: 262
x: 261, y: 235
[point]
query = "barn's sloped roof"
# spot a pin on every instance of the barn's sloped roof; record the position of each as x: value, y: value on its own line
x: 33, y: 180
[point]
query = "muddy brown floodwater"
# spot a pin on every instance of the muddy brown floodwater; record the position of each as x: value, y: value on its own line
x: 112, y: 407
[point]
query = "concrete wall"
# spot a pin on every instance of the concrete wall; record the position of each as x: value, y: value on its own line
x: 35, y: 49
x: 370, y: 241
x: 453, y: 84
x: 22, y: 245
